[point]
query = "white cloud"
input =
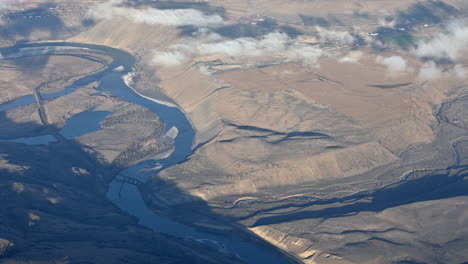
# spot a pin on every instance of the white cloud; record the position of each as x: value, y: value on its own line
x: 205, y: 70
x: 273, y: 45
x: 430, y: 71
x: 300, y: 52
x: 7, y: 6
x: 451, y: 44
x: 352, y: 57
x: 395, y: 64
x: 3, y: 6
x: 460, y: 71
x: 371, y: 40
x: 169, y: 59
x: 387, y: 23
x: 246, y: 47
x: 152, y: 16
x: 325, y: 35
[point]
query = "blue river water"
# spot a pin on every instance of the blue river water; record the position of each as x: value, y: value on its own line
x: 128, y: 197
x: 83, y: 123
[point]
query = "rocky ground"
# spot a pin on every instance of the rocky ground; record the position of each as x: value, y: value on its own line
x: 54, y: 208
x: 304, y: 142
x: 54, y: 211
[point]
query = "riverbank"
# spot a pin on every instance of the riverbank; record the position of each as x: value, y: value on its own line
x: 127, y: 197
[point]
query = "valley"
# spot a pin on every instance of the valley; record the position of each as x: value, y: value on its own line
x: 269, y: 131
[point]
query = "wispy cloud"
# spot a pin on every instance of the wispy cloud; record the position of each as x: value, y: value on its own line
x: 451, y: 44
x: 3, y: 6
x: 430, y: 71
x: 7, y: 6
x: 273, y: 45
x: 395, y: 64
x: 383, y: 22
x: 352, y: 57
x: 325, y: 35
x: 152, y: 16
x: 460, y: 71
x: 170, y: 58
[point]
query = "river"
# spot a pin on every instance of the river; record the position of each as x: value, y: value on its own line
x: 128, y: 197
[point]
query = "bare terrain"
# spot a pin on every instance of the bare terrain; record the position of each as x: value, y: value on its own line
x: 334, y: 130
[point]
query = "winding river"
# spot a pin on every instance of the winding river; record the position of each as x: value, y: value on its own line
x: 127, y: 197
